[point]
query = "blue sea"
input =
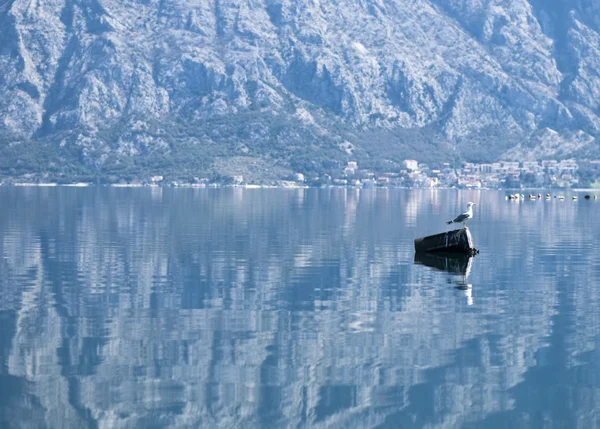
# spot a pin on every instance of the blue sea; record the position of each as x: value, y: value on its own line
x: 298, y: 308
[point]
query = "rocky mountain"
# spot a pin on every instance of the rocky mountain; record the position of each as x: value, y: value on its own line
x: 123, y: 87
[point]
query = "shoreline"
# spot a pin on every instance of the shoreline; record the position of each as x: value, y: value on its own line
x: 286, y: 186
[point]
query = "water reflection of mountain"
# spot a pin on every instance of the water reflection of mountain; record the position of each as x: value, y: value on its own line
x: 182, y: 308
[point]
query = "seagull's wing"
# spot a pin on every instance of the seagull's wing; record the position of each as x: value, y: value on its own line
x: 462, y: 217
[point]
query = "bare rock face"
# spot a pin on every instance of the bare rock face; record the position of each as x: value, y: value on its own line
x: 94, y: 74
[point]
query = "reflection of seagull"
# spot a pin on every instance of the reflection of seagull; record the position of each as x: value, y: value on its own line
x: 465, y: 216
x: 468, y: 289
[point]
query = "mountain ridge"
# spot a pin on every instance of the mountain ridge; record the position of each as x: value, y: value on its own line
x: 100, y: 86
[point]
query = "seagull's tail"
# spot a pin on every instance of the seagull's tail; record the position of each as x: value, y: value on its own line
x: 449, y: 222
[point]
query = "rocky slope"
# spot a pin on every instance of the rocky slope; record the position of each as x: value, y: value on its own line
x: 123, y: 85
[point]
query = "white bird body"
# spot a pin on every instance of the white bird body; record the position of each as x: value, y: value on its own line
x: 464, y: 217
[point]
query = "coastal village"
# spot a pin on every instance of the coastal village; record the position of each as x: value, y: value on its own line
x: 412, y: 174
x: 498, y: 175
x: 409, y: 173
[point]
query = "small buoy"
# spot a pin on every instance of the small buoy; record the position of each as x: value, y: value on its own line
x: 539, y: 196
x: 574, y: 198
x: 560, y: 197
x: 587, y: 197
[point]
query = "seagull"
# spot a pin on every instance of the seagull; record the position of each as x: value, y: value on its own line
x: 465, y: 216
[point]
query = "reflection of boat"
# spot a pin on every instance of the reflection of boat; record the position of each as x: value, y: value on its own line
x: 453, y: 263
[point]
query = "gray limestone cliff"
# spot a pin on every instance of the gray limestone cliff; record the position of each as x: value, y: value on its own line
x: 105, y: 81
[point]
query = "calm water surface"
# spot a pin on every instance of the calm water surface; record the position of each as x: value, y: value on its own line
x: 231, y: 308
